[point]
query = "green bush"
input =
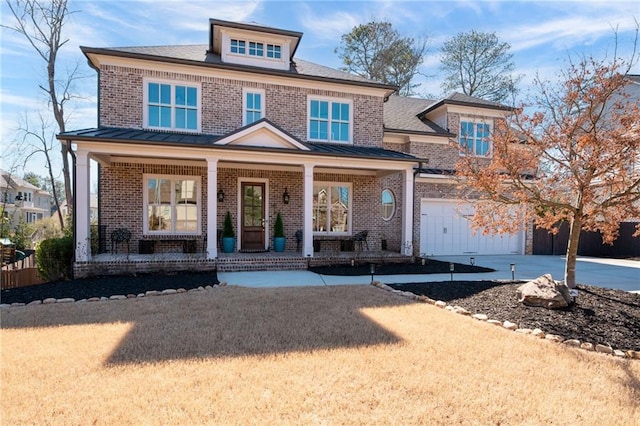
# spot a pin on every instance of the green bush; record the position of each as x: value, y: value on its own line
x: 54, y: 258
x: 278, y: 228
x: 227, y: 228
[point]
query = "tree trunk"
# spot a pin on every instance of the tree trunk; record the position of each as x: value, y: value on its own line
x: 575, y: 228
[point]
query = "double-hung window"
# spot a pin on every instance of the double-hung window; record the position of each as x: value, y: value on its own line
x: 474, y: 138
x: 253, y: 106
x: 172, y: 204
x: 330, y: 120
x: 332, y: 208
x: 172, y: 106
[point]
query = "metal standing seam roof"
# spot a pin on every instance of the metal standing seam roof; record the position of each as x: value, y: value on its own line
x: 119, y: 135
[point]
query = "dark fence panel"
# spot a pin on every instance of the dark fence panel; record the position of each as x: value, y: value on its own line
x: 626, y: 245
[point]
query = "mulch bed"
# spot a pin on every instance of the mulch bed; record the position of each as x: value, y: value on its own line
x: 430, y: 267
x: 85, y: 288
x: 600, y: 315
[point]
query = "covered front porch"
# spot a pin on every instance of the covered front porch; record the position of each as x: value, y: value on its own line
x: 165, y: 194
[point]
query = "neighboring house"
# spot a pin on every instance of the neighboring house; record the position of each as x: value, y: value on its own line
x: 187, y: 133
x: 93, y: 208
x: 20, y: 199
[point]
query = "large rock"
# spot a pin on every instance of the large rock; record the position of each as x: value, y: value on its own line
x: 544, y: 291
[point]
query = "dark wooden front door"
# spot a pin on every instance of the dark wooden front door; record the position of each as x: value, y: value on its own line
x: 252, y: 216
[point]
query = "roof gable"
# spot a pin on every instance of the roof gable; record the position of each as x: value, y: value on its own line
x: 263, y: 134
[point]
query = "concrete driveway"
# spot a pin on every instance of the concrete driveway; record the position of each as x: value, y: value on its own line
x: 611, y: 273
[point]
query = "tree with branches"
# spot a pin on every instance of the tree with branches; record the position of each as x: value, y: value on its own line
x: 479, y: 65
x: 42, y: 24
x: 575, y: 157
x: 378, y: 52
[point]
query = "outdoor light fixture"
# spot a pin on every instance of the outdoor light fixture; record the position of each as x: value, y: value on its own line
x: 372, y: 269
x: 451, y: 268
x: 472, y: 261
x: 285, y: 196
x: 220, y: 196
x: 513, y: 271
x: 423, y: 261
x: 353, y: 262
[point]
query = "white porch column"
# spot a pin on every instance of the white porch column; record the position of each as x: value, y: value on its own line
x: 407, y: 213
x: 307, y: 240
x: 83, y: 230
x: 212, y: 208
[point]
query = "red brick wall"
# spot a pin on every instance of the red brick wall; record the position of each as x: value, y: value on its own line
x: 121, y: 104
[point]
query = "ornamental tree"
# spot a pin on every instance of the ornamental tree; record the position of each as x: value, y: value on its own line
x: 574, y: 158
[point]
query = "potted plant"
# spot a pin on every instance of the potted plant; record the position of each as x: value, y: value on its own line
x: 228, y: 235
x: 279, y: 240
x: 383, y: 242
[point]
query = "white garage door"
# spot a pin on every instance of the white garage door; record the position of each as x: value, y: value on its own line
x: 445, y: 230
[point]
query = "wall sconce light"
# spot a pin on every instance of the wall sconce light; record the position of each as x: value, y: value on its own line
x: 220, y: 196
x: 472, y: 261
x: 513, y: 271
x: 285, y: 196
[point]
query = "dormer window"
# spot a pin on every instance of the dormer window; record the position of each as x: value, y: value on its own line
x: 274, y: 51
x: 256, y: 49
x: 238, y: 46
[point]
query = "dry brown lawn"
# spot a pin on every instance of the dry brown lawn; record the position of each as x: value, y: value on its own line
x: 317, y: 355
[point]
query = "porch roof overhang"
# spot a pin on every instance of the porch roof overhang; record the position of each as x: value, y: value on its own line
x: 116, y: 144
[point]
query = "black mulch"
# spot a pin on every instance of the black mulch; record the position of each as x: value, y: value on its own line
x: 430, y: 267
x: 85, y: 288
x: 600, y: 315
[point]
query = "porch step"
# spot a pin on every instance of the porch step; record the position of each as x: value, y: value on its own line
x: 245, y: 263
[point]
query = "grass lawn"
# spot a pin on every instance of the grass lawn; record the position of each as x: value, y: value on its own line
x: 315, y: 355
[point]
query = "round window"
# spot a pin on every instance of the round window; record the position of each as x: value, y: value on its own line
x: 388, y: 204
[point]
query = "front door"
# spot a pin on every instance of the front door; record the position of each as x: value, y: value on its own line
x: 252, y: 216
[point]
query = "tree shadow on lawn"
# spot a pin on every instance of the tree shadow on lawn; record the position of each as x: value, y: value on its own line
x: 227, y: 322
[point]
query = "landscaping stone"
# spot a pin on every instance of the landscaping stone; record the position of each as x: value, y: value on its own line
x: 604, y: 349
x: 103, y: 298
x: 633, y: 354
x: 460, y: 310
x: 494, y: 322
x: 572, y: 342
x: 545, y: 292
x: 49, y: 300
x: 181, y: 290
x: 200, y: 288
x: 17, y: 304
x: 131, y: 296
x: 538, y: 333
x: 554, y: 338
x: 4, y: 305
x: 140, y: 295
x: 169, y: 291
x: 93, y: 299
x: 35, y: 302
x: 523, y: 330
x: 81, y: 301
x: 440, y: 304
x: 66, y: 300
x: 587, y: 346
x: 619, y: 353
x: 509, y: 325
x: 151, y: 293
x: 209, y: 287
x: 118, y: 297
x: 480, y: 317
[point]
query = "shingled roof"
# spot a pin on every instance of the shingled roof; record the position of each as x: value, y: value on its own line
x: 401, y: 114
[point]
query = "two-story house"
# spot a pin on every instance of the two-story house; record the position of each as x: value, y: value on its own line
x: 21, y: 199
x: 240, y: 125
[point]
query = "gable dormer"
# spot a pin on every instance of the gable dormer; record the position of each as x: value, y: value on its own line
x: 253, y: 45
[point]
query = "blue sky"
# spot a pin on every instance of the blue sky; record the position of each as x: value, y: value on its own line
x: 542, y: 35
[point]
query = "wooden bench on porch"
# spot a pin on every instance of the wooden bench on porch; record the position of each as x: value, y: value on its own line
x: 346, y: 242
x: 189, y: 243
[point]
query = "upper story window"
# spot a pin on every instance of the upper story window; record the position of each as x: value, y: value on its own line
x: 253, y: 106
x: 274, y: 51
x: 238, y: 46
x: 255, y: 49
x: 474, y: 138
x: 172, y: 106
x: 330, y: 120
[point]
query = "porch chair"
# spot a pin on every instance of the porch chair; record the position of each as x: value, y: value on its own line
x: 360, y: 238
x: 120, y: 235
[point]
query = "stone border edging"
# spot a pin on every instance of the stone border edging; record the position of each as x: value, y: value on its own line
x: 605, y: 349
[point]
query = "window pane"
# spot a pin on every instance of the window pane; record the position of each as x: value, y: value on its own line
x: 154, y: 93
x: 165, y: 94
x: 249, y: 100
x: 324, y: 110
x: 181, y: 97
x: 388, y: 204
x: 165, y: 117
x: 257, y: 101
x: 315, y: 108
x: 323, y: 130
x: 192, y: 97
x: 186, y: 218
x: 339, y: 209
x: 192, y: 119
x: 180, y: 118
x: 159, y: 217
x: 154, y: 116
x: 344, y: 113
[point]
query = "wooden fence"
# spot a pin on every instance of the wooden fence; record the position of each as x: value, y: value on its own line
x: 22, y: 273
x: 590, y: 242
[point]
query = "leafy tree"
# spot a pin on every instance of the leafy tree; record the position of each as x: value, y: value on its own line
x: 571, y: 159
x: 378, y: 52
x: 41, y: 22
x: 33, y: 179
x: 479, y: 65
x: 22, y: 234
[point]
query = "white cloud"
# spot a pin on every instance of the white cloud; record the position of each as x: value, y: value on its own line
x: 331, y: 26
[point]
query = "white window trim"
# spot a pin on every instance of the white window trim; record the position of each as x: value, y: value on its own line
x: 349, y: 230
x: 395, y: 204
x: 476, y: 120
x: 173, y: 83
x: 330, y: 100
x: 264, y: 48
x: 145, y: 203
x: 247, y: 90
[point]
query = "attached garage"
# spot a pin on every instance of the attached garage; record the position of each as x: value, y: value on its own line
x: 445, y: 229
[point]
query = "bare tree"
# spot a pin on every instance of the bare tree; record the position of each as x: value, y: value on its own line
x: 572, y: 159
x: 41, y: 142
x: 378, y: 52
x: 479, y: 65
x: 42, y: 23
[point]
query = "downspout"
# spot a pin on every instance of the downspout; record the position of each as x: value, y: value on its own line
x: 74, y: 211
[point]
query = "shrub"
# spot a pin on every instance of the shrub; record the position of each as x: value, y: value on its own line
x: 227, y: 228
x: 278, y: 228
x: 54, y: 258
